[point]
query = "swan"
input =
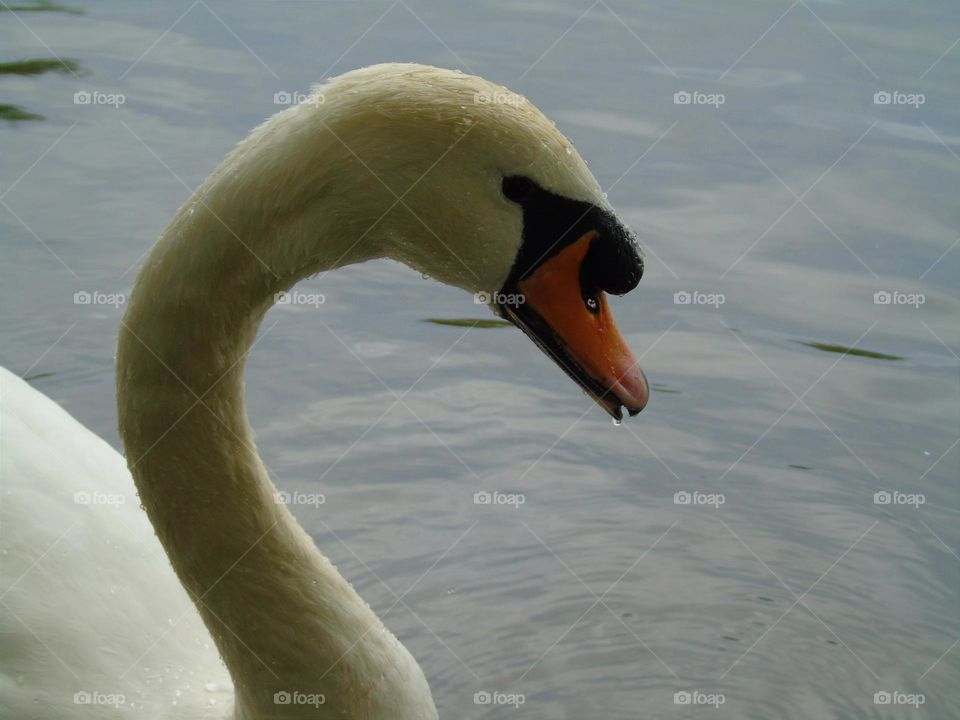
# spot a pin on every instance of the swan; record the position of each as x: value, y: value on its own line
x: 214, y: 602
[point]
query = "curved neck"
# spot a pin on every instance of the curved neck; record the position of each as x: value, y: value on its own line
x: 283, y: 618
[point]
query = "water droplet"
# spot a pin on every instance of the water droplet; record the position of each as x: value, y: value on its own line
x: 618, y: 421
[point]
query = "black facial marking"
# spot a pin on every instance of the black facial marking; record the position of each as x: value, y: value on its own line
x: 517, y: 187
x: 551, y: 222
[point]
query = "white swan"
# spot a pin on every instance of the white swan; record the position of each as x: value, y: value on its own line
x: 422, y: 165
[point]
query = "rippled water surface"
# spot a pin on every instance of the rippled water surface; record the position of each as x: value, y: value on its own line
x: 782, y: 211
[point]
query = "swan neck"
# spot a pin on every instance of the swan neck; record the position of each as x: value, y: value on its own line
x: 283, y: 618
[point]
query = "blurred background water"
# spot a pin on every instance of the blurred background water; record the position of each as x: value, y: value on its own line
x: 781, y: 198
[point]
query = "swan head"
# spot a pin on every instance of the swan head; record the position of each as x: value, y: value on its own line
x: 467, y: 182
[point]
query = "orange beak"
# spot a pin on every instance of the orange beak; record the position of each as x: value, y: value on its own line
x: 574, y: 325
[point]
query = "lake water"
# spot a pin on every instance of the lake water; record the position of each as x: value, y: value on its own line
x: 781, y: 198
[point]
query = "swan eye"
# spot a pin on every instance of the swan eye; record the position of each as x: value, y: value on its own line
x: 592, y: 304
x: 516, y: 188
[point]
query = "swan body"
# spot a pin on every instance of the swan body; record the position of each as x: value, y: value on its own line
x: 227, y: 608
x: 82, y: 570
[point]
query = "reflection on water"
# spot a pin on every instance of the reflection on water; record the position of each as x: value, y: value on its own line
x: 39, y: 6
x: 743, y: 535
x: 843, y: 350
x: 38, y: 66
x: 34, y: 66
x: 15, y: 113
